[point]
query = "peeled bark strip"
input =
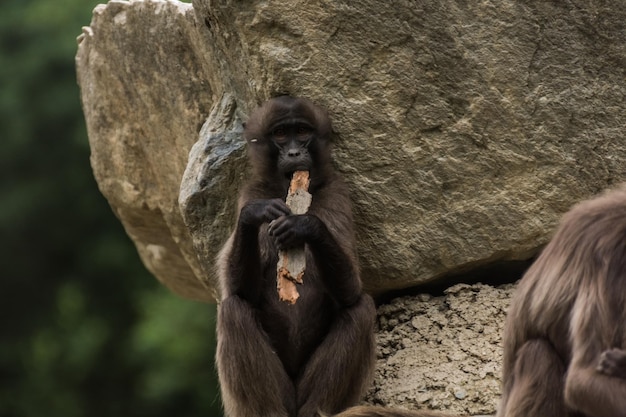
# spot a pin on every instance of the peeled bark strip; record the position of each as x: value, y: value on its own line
x: 292, y: 262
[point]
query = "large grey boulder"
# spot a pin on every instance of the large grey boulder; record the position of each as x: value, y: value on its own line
x: 464, y: 129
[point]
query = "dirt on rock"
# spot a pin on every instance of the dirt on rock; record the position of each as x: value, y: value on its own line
x: 442, y: 353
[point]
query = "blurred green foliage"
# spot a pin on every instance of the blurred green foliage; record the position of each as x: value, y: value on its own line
x: 84, y: 329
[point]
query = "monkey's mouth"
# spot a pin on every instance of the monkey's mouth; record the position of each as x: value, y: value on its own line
x: 289, y: 174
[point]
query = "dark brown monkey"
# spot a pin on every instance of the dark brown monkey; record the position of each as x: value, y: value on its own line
x: 566, y: 326
x: 276, y: 359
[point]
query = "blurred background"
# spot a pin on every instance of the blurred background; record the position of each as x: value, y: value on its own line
x: 85, y: 330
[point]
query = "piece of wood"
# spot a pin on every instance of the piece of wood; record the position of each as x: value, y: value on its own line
x: 292, y: 262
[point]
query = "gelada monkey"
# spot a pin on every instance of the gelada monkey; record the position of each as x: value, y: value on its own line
x: 317, y: 355
x: 566, y: 327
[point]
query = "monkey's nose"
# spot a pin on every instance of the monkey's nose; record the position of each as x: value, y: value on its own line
x: 293, y: 153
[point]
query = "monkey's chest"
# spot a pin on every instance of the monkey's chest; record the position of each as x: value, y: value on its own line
x: 295, y: 331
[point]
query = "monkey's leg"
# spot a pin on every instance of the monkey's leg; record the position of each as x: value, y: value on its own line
x: 252, y: 378
x: 341, y: 368
x: 535, y: 387
x: 613, y: 363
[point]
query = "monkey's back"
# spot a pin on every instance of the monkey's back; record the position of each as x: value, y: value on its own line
x: 575, y: 282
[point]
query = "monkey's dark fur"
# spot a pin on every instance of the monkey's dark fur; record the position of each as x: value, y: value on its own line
x: 276, y: 359
x: 565, y: 333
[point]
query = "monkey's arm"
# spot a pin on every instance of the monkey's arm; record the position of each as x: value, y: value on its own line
x: 243, y: 263
x: 337, y: 268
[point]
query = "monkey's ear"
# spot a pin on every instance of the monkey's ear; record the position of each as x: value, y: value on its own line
x: 243, y: 125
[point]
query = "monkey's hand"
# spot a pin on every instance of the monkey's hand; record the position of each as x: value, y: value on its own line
x: 613, y: 363
x: 294, y: 230
x: 257, y: 212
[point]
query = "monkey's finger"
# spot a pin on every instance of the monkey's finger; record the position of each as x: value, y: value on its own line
x: 275, y: 227
x: 274, y: 213
x: 280, y: 206
x: 286, y: 241
x: 282, y: 226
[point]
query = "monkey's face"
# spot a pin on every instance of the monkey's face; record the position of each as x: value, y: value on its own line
x: 292, y: 141
x: 288, y: 134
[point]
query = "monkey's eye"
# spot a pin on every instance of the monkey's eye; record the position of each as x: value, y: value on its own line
x: 303, y: 133
x: 279, y: 136
x: 279, y: 131
x: 302, y: 130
